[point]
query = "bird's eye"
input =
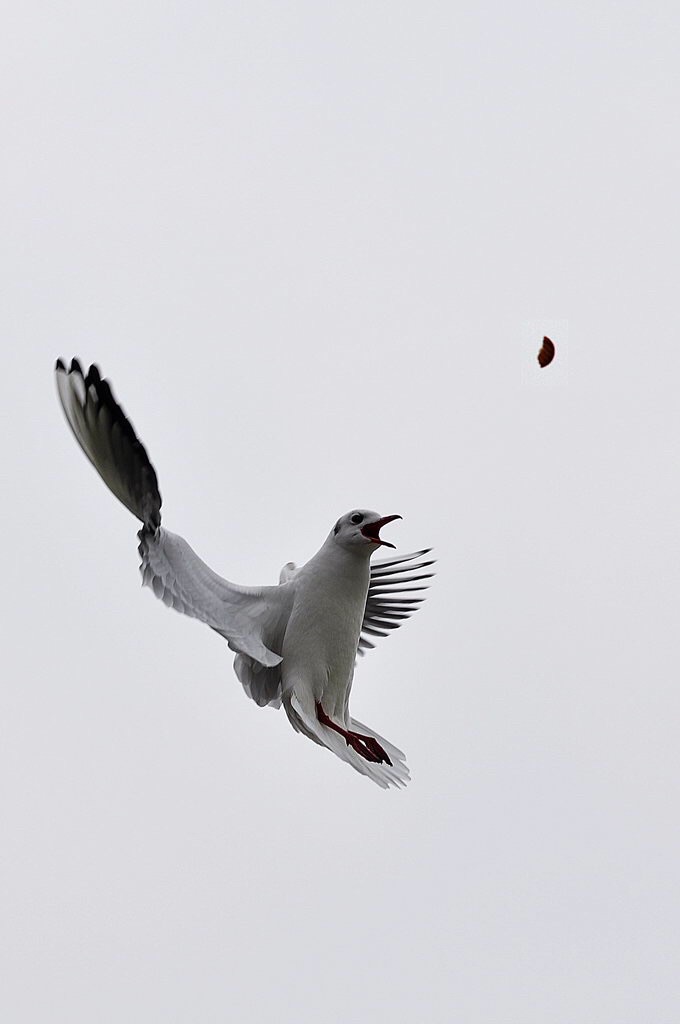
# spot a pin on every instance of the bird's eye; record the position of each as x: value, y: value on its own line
x: 356, y: 518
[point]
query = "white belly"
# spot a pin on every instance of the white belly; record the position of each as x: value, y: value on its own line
x: 320, y: 644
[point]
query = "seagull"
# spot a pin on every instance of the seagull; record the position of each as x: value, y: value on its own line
x: 296, y: 643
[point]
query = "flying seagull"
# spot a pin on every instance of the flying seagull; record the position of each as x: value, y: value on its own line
x: 295, y: 643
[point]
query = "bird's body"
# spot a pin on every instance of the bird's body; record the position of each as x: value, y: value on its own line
x: 296, y: 643
x: 322, y: 637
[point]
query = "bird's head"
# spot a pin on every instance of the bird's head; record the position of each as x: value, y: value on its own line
x: 359, y: 530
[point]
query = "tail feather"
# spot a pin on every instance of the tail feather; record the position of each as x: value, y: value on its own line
x: 384, y: 775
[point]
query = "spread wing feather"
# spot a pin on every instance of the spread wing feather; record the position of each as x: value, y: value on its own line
x: 390, y: 597
x: 107, y: 437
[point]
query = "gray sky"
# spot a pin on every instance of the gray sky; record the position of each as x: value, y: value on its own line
x: 315, y: 247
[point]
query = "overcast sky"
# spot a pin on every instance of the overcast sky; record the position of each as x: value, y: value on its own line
x: 315, y: 246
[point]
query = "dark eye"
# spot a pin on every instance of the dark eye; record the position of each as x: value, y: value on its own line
x: 356, y: 518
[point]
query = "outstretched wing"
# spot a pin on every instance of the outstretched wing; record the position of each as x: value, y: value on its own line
x: 251, y: 619
x: 390, y: 598
x: 107, y: 437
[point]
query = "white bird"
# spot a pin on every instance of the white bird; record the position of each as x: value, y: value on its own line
x: 295, y: 643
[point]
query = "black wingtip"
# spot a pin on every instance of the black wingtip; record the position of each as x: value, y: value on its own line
x: 76, y: 367
x: 93, y: 375
x: 59, y: 365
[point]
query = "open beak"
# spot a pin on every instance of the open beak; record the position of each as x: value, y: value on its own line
x: 372, y: 530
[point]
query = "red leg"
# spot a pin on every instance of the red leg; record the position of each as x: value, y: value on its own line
x: 367, y: 746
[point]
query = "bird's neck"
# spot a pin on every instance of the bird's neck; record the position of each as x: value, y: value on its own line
x: 333, y: 560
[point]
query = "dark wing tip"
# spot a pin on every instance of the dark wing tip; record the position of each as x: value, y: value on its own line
x: 111, y: 444
x: 93, y: 375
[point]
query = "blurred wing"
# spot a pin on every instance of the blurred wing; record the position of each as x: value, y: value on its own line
x: 390, y: 598
x: 107, y: 437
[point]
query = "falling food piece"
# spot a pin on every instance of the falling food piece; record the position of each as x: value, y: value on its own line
x: 547, y: 353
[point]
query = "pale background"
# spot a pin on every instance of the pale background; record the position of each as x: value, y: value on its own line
x: 304, y: 241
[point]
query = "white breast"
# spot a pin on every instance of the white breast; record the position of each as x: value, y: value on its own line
x: 320, y: 644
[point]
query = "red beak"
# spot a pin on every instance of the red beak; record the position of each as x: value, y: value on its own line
x: 372, y: 530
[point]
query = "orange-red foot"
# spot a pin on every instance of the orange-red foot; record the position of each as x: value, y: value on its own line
x: 366, y: 746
